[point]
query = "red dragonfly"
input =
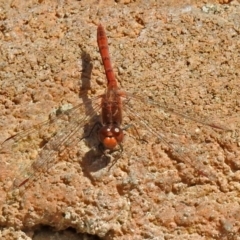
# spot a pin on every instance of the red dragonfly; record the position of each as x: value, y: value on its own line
x: 43, y: 143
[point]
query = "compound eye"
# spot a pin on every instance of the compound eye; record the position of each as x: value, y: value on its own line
x: 118, y: 134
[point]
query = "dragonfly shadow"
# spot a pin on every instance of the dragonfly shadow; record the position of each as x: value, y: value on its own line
x: 87, y: 67
x: 95, y: 159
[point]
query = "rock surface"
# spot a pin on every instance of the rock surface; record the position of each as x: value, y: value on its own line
x: 186, y: 55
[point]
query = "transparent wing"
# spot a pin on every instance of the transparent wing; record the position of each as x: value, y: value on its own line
x: 173, y: 110
x: 35, y: 150
x: 169, y: 126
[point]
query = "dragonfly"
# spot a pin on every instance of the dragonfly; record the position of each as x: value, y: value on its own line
x: 42, y: 143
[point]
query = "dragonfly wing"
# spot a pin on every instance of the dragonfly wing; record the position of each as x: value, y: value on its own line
x: 173, y: 110
x: 35, y: 150
x: 144, y: 120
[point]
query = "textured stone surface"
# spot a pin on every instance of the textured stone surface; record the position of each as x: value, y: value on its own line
x: 184, y: 54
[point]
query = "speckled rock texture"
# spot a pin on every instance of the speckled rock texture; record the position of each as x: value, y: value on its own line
x: 185, y: 55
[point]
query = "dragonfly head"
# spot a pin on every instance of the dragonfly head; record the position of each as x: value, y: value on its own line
x: 110, y: 136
